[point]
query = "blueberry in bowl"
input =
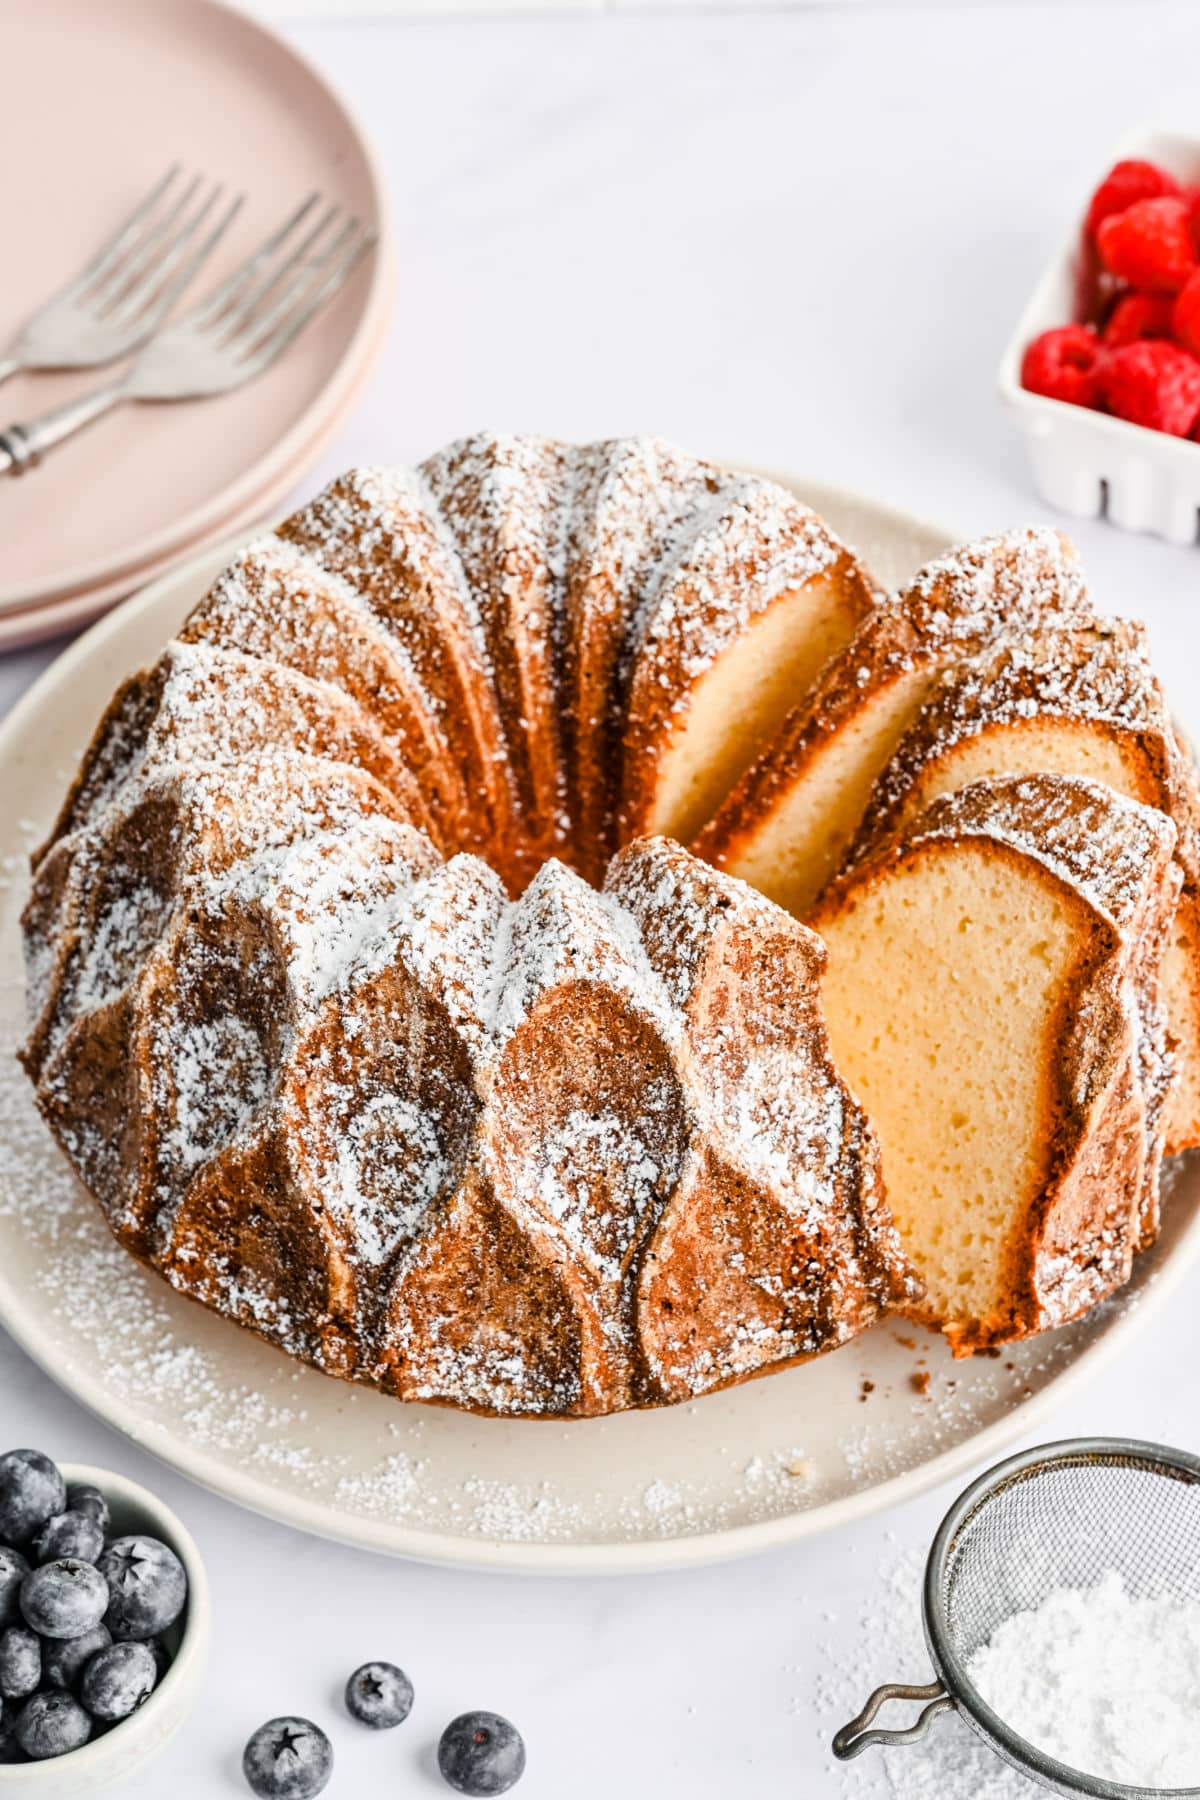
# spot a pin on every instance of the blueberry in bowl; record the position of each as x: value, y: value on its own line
x: 104, y: 1619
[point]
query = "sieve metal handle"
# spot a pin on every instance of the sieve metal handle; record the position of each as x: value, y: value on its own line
x: 855, y: 1737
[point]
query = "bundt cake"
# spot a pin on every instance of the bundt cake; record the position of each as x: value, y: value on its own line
x: 472, y: 1131
x: 395, y: 989
x: 992, y: 997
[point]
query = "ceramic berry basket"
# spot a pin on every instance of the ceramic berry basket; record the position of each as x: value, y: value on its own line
x: 127, y: 1747
x: 1089, y: 463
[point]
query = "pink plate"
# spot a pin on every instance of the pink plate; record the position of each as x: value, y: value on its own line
x: 145, y: 83
x: 67, y: 612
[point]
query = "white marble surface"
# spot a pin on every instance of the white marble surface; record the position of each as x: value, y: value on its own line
x: 797, y: 240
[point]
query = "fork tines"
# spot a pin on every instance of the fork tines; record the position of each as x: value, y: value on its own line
x: 153, y: 254
x: 269, y: 299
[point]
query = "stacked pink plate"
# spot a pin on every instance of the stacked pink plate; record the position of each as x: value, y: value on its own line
x: 111, y: 95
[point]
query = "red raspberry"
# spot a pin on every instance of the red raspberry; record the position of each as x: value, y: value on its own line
x: 1149, y: 245
x: 1185, y: 315
x: 1153, y: 383
x: 1138, y: 316
x: 1064, y: 364
x: 1193, y: 200
x: 1125, y: 184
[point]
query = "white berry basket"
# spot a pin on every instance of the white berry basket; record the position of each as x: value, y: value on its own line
x: 128, y: 1746
x: 1089, y: 463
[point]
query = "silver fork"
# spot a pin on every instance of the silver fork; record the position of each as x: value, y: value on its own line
x: 121, y: 297
x: 235, y: 333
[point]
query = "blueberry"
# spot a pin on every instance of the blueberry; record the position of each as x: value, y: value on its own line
x: 50, y: 1725
x: 64, y: 1599
x: 31, y: 1490
x: 288, y: 1759
x: 73, y: 1534
x: 117, y: 1680
x: 379, y: 1695
x: 13, y: 1570
x: 63, y: 1659
x: 20, y: 1662
x: 481, y: 1753
x: 87, y: 1499
x: 147, y: 1586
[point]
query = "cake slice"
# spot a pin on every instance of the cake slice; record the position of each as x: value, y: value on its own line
x: 734, y: 624
x: 1081, y: 701
x: 789, y: 824
x: 991, y: 998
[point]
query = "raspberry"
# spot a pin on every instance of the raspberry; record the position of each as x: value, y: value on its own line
x: 1124, y: 185
x: 1064, y: 364
x: 1193, y: 200
x: 1138, y: 316
x: 1153, y: 383
x: 1185, y: 315
x: 1149, y: 245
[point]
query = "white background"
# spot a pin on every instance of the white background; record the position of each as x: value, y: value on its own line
x: 796, y: 240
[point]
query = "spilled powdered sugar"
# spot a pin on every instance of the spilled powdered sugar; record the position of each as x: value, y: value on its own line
x: 950, y: 1762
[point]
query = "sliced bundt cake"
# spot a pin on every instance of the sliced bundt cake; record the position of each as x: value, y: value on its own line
x: 789, y: 823
x: 992, y: 998
x: 326, y: 1016
x: 1081, y: 701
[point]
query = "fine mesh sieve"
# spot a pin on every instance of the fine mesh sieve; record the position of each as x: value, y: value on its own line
x: 1063, y: 1515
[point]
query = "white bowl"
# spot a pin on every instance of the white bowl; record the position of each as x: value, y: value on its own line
x: 131, y: 1744
x: 1090, y: 463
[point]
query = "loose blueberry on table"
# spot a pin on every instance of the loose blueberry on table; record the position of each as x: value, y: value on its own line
x: 379, y: 1695
x: 480, y: 1753
x: 288, y: 1759
x: 80, y: 1618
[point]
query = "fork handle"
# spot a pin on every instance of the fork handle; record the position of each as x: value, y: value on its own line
x: 9, y: 366
x: 22, y: 447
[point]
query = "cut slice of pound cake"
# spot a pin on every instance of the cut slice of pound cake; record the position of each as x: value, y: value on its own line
x: 788, y: 824
x: 1080, y: 701
x: 991, y: 998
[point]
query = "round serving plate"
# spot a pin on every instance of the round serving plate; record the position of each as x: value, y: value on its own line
x: 759, y: 1465
x: 154, y: 82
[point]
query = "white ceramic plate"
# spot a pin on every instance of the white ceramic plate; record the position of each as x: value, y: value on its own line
x: 760, y: 1465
